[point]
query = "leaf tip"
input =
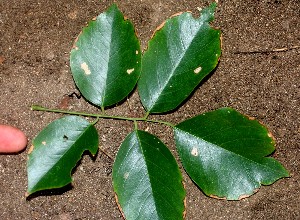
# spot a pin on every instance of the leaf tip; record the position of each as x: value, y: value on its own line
x: 208, y: 12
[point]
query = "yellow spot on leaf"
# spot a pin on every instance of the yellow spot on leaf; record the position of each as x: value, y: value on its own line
x: 129, y: 71
x: 44, y: 143
x: 194, y: 152
x: 126, y: 175
x: 85, y: 68
x: 197, y: 70
x: 136, y: 52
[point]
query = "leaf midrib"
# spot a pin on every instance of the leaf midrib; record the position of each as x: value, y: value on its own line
x: 109, y: 32
x: 148, y: 176
x: 141, y: 143
x: 200, y: 23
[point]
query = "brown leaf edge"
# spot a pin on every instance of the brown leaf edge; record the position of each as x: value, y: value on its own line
x: 270, y: 135
x: 123, y: 215
x: 241, y: 197
x: 119, y: 206
x: 175, y: 15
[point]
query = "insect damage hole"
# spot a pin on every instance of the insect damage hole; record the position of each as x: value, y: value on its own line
x: 85, y: 68
x: 65, y: 138
x: 197, y: 70
x: 194, y: 152
x: 129, y: 71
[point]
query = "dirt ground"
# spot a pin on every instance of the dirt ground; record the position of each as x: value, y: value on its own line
x: 35, y: 40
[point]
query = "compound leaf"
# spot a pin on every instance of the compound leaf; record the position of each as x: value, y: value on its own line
x: 106, y: 58
x: 57, y: 149
x: 147, y: 180
x: 179, y: 56
x: 224, y: 152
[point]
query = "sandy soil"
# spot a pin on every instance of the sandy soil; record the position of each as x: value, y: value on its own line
x: 36, y: 38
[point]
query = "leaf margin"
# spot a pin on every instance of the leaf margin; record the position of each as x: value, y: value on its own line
x: 39, y: 144
x: 282, y: 172
x: 116, y: 174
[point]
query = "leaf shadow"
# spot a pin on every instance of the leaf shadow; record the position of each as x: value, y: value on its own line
x: 50, y: 192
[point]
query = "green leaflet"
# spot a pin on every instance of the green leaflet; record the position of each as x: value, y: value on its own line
x: 179, y: 56
x: 147, y: 180
x: 106, y: 58
x: 224, y: 152
x: 56, y: 150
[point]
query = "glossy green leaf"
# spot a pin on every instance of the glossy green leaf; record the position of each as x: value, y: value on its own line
x: 224, y: 152
x: 105, y: 60
x: 179, y: 56
x: 56, y: 150
x: 147, y: 180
